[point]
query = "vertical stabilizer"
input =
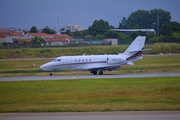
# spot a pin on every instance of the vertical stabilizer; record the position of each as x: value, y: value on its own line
x: 135, y: 50
x: 136, y: 46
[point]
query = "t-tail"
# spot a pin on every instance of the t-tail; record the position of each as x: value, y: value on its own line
x: 135, y: 51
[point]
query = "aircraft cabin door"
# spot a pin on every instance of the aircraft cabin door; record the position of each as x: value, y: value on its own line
x: 69, y: 61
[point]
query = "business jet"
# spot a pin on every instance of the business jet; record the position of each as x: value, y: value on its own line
x: 97, y: 64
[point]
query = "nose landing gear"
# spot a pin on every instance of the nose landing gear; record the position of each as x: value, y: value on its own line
x: 50, y: 74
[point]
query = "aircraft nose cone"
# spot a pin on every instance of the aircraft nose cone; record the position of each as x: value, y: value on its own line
x: 45, y: 67
x: 41, y: 67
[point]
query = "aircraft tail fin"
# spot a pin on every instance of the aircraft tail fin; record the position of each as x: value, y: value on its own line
x: 135, y: 50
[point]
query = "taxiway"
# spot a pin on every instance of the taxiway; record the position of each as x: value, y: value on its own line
x: 118, y: 115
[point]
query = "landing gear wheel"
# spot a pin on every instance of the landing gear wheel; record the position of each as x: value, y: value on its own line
x: 101, y: 73
x: 94, y: 72
x: 50, y: 74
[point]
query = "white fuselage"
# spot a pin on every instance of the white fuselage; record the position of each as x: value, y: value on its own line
x: 86, y: 62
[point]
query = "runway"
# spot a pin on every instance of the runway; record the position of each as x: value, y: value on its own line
x: 118, y: 115
x: 90, y: 76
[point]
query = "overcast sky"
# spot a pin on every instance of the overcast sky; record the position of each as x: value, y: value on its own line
x: 42, y: 13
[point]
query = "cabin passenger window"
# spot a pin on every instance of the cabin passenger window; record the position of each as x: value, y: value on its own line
x: 75, y: 60
x: 86, y: 60
x: 89, y: 60
x: 82, y: 60
x: 79, y: 60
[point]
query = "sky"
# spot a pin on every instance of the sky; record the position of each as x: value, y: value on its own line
x: 24, y: 14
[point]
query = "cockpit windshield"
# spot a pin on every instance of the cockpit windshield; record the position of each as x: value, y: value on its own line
x: 56, y: 60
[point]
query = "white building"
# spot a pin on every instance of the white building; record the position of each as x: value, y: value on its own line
x: 72, y: 27
x: 9, y: 39
x: 113, y: 41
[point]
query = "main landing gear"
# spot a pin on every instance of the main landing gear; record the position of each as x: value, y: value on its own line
x: 95, y: 72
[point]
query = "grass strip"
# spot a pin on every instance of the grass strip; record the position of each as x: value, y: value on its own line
x: 91, y: 95
x: 51, y: 52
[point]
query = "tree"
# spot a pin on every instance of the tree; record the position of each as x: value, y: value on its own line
x: 77, y: 34
x: 123, y: 21
x: 68, y: 32
x: 33, y: 29
x: 151, y: 37
x: 122, y: 24
x: 112, y: 27
x: 159, y: 16
x: 99, y: 36
x: 139, y: 33
x: 48, y: 30
x: 144, y: 19
x: 84, y: 32
x: 111, y: 34
x: 169, y: 28
x: 98, y: 27
x: 36, y: 41
x: 62, y: 29
x: 176, y: 34
x: 123, y: 36
x: 138, y: 18
x: 88, y: 37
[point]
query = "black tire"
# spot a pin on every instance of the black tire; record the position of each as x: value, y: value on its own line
x: 94, y: 72
x: 101, y: 73
x: 51, y: 74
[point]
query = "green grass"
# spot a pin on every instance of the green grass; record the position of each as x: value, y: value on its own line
x: 57, y: 51
x: 7, y: 53
x: 91, y: 95
x: 154, y: 64
x: 163, y: 48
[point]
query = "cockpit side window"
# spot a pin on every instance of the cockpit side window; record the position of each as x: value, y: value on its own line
x: 59, y: 60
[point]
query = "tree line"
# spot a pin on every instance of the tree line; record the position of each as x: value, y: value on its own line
x: 157, y: 19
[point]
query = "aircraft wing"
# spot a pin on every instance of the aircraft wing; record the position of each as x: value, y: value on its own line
x: 102, y: 68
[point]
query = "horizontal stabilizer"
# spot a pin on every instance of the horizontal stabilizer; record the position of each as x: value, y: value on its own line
x: 134, y: 50
x: 130, y: 63
x: 147, y: 49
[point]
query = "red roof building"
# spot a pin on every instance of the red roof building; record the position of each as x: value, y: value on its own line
x: 40, y: 34
x: 4, y: 33
x: 58, y: 39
